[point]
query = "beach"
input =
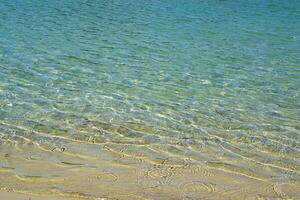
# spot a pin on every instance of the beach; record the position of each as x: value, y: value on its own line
x: 161, y: 100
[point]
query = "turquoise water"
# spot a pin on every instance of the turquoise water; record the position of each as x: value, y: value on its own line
x: 212, y: 83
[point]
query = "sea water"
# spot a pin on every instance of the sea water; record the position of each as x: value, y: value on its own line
x: 169, y: 99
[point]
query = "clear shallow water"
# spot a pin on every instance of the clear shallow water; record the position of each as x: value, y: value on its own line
x: 160, y: 100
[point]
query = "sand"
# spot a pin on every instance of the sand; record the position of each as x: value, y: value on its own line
x: 17, y: 196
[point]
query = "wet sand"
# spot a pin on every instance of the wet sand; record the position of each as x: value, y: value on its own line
x: 17, y: 196
x: 78, y: 169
